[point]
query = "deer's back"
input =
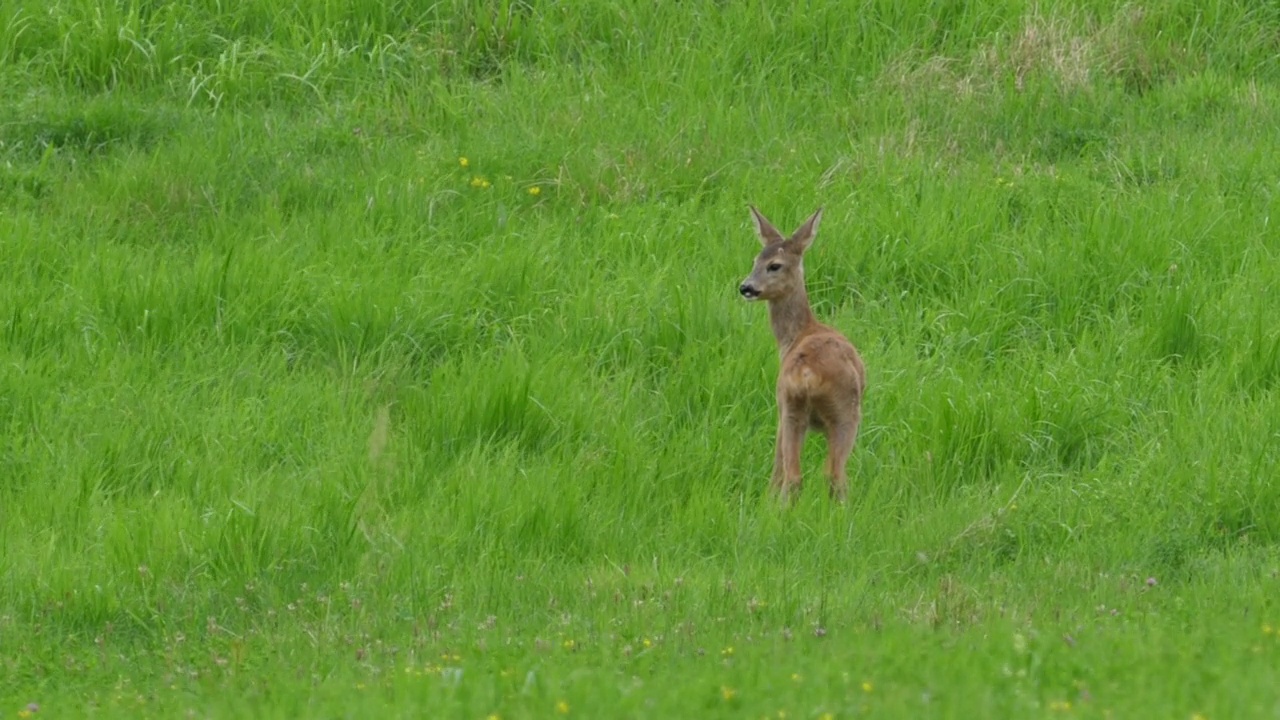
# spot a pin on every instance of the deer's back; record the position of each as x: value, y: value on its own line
x: 821, y: 366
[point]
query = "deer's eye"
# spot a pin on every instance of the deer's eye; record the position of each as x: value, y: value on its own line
x: 775, y: 267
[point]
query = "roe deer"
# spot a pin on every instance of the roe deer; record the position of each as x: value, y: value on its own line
x: 821, y: 380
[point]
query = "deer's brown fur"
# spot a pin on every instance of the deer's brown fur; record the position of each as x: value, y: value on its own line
x: 821, y: 380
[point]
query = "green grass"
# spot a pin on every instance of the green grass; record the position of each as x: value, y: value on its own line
x: 302, y: 417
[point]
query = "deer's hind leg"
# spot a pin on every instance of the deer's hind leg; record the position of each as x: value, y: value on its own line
x: 776, y: 480
x: 842, y: 435
x: 791, y: 431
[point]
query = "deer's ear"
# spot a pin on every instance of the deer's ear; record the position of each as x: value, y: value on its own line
x: 765, y: 229
x: 803, y: 237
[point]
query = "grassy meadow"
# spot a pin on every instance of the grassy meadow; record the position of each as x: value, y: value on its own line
x: 385, y: 359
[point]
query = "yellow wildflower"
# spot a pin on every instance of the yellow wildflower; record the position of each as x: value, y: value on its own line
x: 463, y: 162
x: 562, y: 707
x: 727, y: 692
x: 535, y: 191
x: 867, y: 686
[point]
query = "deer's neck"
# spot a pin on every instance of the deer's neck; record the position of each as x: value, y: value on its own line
x: 789, y: 316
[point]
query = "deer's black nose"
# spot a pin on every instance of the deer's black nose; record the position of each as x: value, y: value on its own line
x: 748, y: 291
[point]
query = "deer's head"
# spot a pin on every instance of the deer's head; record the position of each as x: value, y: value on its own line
x: 778, y: 270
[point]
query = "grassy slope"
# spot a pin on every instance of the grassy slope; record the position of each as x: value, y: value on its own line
x: 302, y: 417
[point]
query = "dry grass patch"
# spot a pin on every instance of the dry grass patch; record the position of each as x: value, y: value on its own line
x: 1071, y: 52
